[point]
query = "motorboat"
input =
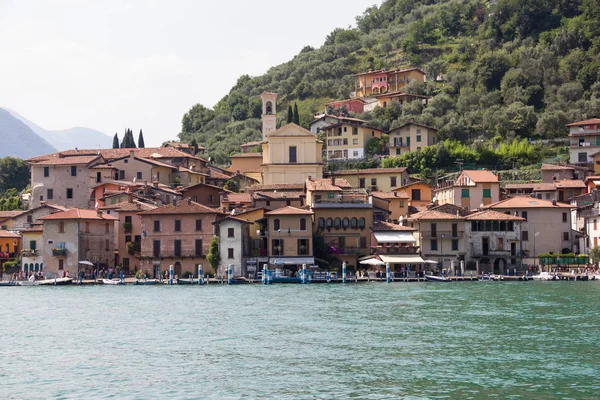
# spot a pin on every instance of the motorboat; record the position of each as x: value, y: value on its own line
x: 544, y: 276
x: 30, y: 282
x: 490, y: 278
x: 434, y: 278
x: 146, y: 282
x: 56, y: 281
x: 8, y: 283
x: 112, y: 282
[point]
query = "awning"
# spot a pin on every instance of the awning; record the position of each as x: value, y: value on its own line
x: 372, y: 261
x: 292, y: 260
x: 401, y: 259
x: 394, y: 237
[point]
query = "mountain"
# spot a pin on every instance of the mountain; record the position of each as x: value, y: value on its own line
x: 18, y: 140
x: 64, y: 139
x: 508, y: 69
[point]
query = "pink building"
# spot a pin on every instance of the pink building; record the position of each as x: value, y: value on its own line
x: 177, y: 234
x: 356, y: 106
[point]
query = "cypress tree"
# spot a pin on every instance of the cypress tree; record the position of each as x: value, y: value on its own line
x: 124, y: 141
x: 115, y: 141
x: 131, y: 140
x: 290, y: 115
x: 296, y: 116
x: 141, y: 144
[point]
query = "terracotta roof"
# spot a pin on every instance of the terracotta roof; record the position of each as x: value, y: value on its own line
x: 347, y: 100
x: 250, y: 144
x: 217, y: 174
x: 352, y: 123
x: 526, y: 202
x: 104, y: 166
x: 481, y: 176
x: 76, y: 160
x: 112, y: 154
x: 135, y: 206
x: 401, y: 94
x: 433, y: 215
x: 205, y: 184
x: 277, y: 186
x: 413, y: 123
x: 519, y: 186
x: 34, y: 228
x: 246, y: 155
x: 543, y: 187
x: 370, y: 171
x: 387, y: 226
x: 552, y: 167
x: 185, y: 206
x: 237, y: 198
x: 327, y: 184
x: 234, y: 218
x: 400, y: 194
x: 570, y: 183
x: 277, y: 195
x: 321, y: 116
x: 380, y: 71
x: 78, y: 213
x: 289, y: 211
x: 491, y: 215
x: 10, y: 214
x: 591, y: 121
x: 8, y: 234
x: 248, y: 210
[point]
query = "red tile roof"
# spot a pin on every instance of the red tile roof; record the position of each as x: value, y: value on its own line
x: 526, y: 202
x: 277, y: 186
x: 481, y: 176
x: 400, y: 194
x: 78, y: 213
x: 433, y: 215
x: 246, y: 155
x: 76, y: 160
x: 10, y: 214
x: 387, y: 226
x: 491, y: 215
x: 237, y: 198
x: 112, y: 154
x: 327, y: 184
x: 185, y: 206
x: 290, y: 211
x: 570, y: 184
x: 591, y: 121
x: 552, y: 167
x: 8, y: 234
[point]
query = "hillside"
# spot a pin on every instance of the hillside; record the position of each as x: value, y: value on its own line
x: 510, y: 69
x: 18, y: 140
x: 64, y: 139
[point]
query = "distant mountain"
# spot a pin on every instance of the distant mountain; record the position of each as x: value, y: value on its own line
x: 19, y: 140
x: 64, y: 139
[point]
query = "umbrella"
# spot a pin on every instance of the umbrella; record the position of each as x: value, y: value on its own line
x: 86, y: 263
x: 372, y: 261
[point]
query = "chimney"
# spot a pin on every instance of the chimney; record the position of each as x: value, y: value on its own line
x: 554, y: 202
x: 189, y: 200
x: 138, y: 206
x: 332, y: 180
x: 99, y: 213
x: 310, y: 178
x: 129, y: 197
x: 174, y: 201
x: 395, y: 194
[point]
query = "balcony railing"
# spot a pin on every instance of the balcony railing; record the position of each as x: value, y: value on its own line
x: 493, y: 253
x: 59, y: 252
x: 591, y: 212
x: 185, y: 253
x: 442, y: 235
x: 397, y: 250
x: 29, y: 253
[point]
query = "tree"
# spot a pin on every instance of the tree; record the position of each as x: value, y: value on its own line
x: 128, y: 141
x: 290, y: 114
x: 595, y: 254
x: 296, y: 115
x: 14, y: 173
x: 141, y: 144
x: 213, y: 256
x: 115, y: 141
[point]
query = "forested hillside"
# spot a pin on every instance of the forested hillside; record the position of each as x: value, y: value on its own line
x: 508, y: 69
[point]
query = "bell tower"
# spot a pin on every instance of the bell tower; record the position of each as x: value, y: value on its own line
x: 269, y: 113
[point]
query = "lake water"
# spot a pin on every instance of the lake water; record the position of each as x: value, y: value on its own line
x: 464, y: 340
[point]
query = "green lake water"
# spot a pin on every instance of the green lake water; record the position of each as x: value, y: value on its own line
x: 463, y: 340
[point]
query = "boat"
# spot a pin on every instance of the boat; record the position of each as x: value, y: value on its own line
x: 56, y: 281
x: 146, y: 282
x: 186, y: 282
x: 544, y: 276
x: 8, y: 283
x: 29, y: 282
x: 112, y: 282
x: 434, y: 278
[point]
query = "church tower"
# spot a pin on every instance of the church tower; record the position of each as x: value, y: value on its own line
x: 269, y: 113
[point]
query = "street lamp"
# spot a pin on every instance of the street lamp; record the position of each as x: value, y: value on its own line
x: 279, y: 244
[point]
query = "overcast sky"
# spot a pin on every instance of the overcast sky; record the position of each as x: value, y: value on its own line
x: 112, y: 64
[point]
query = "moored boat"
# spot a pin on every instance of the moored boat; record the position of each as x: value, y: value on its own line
x: 112, y: 282
x: 8, y: 283
x: 146, y: 282
x: 56, y: 281
x: 544, y: 276
x: 434, y: 278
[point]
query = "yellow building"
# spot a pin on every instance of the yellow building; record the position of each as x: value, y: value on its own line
x: 347, y: 141
x: 472, y: 189
x: 396, y: 203
x: 290, y: 233
x: 419, y: 193
x: 411, y: 137
x: 375, y: 179
x: 383, y: 100
x: 381, y: 81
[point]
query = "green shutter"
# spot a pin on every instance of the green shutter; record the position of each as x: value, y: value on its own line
x: 32, y: 245
x: 487, y: 193
x: 465, y: 193
x: 597, y: 140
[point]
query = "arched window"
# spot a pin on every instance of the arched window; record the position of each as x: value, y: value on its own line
x: 345, y: 223
x: 321, y: 223
x: 353, y: 222
x: 25, y: 267
x: 361, y: 222
x: 276, y: 225
x: 302, y: 224
x: 337, y: 223
x: 329, y: 222
x: 269, y: 108
x: 37, y: 266
x: 41, y: 266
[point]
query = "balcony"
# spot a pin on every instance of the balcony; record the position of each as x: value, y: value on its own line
x: 59, y: 252
x: 442, y: 235
x: 493, y: 253
x: 397, y: 250
x: 29, y: 253
x: 127, y: 227
x: 590, y: 213
x: 349, y: 250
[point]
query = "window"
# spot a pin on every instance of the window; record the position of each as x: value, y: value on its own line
x: 433, y: 230
x: 61, y: 227
x: 418, y: 138
x: 337, y: 223
x: 69, y: 193
x: 106, y: 227
x: 138, y: 175
x: 345, y: 129
x: 524, y: 215
x: 87, y: 227
x: 127, y: 238
x: 46, y: 172
x: 122, y: 174
x: 355, y: 130
x: 345, y: 222
x: 198, y: 246
x: 566, y: 236
x: 329, y: 223
x: 107, y: 245
x: 50, y: 194
x: 408, y: 141
x: 211, y: 198
x: 564, y: 219
x: 454, y: 230
x: 32, y: 245
x: 302, y: 224
x: 128, y: 219
x: 321, y: 223
x: 524, y: 236
x: 362, y: 242
x: 355, y: 153
x: 361, y: 222
x: 73, y: 170
x: 354, y: 141
x: 500, y: 244
x: 353, y: 222
x: 230, y: 253
x: 277, y: 246
x: 61, y: 264
x: 177, y: 248
x: 416, y: 194
x: 126, y: 263
x: 392, y: 181
x: 98, y: 176
x: 303, y: 247
x: 582, y: 157
x: 465, y: 193
x: 345, y: 141
x: 361, y: 183
x: 487, y: 193
x: 373, y: 181
x: 177, y: 227
x: 454, y: 244
x: 276, y: 224
x: 230, y: 232
x: 157, y: 226
x: 293, y: 154
x: 433, y: 244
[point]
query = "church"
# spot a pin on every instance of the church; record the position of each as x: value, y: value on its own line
x: 291, y: 153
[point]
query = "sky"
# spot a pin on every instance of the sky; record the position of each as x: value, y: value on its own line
x: 141, y: 64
